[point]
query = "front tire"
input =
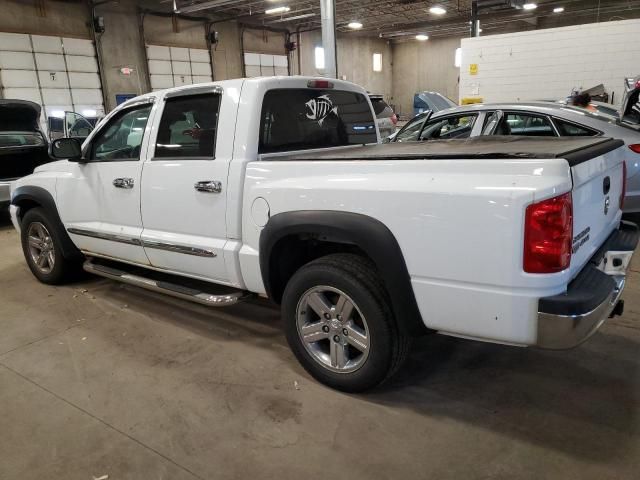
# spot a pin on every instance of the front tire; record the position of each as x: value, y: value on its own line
x: 339, y: 323
x: 42, y: 247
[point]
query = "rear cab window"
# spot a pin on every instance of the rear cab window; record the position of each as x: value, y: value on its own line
x: 303, y: 118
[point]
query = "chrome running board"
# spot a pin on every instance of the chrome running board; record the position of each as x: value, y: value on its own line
x: 172, y: 289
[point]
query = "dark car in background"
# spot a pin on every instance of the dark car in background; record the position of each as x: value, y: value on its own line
x: 23, y: 145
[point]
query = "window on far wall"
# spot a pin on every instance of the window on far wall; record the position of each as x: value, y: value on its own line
x: 377, y: 62
x: 319, y: 56
x: 458, y: 59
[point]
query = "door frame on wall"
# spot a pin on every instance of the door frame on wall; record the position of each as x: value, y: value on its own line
x: 243, y: 52
x: 206, y: 23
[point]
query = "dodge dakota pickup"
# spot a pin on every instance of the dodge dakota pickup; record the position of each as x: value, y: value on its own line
x: 276, y: 187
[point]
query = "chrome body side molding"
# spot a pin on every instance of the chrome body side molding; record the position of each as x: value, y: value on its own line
x: 112, y: 237
x: 170, y: 247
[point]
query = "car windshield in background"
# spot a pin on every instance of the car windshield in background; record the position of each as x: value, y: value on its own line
x: 440, y: 102
x: 18, y: 139
x: 302, y: 119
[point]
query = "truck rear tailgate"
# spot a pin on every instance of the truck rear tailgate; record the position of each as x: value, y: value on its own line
x: 598, y: 175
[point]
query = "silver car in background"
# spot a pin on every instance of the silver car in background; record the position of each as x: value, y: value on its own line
x: 538, y: 119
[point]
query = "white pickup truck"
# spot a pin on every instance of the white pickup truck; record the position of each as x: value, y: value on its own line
x: 265, y: 186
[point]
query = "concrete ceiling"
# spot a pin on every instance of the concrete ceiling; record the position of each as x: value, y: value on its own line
x: 403, y: 19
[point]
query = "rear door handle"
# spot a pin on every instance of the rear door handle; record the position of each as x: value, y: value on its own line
x: 123, y: 183
x: 208, y: 186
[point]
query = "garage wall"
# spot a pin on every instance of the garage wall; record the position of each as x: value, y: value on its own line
x: 420, y: 66
x: 355, y: 60
x: 59, y: 19
x: 547, y: 64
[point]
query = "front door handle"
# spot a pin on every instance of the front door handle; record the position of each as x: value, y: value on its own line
x: 209, y: 186
x: 123, y: 183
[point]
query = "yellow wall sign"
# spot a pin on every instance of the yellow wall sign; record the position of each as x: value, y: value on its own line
x: 473, y: 69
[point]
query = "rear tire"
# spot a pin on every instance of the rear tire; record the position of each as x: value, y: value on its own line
x: 339, y: 323
x: 42, y: 247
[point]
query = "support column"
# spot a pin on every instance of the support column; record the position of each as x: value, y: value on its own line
x: 328, y: 14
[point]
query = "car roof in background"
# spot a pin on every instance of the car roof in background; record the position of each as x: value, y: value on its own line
x: 541, y: 107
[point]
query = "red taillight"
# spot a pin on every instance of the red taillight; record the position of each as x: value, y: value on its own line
x: 548, y: 231
x: 319, y: 84
x: 623, y: 193
x: 394, y: 119
x: 635, y: 148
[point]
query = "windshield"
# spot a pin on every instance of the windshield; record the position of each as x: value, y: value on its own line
x: 20, y: 139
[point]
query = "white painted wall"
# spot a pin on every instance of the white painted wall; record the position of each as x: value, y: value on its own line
x: 547, y: 64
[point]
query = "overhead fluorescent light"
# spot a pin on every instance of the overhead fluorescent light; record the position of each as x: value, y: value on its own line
x: 529, y: 6
x: 558, y: 10
x: 273, y: 11
x: 422, y: 37
x: 297, y: 17
x: 89, y: 113
x: 355, y: 25
x: 437, y: 10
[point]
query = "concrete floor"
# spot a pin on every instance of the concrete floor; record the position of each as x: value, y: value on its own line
x: 101, y: 379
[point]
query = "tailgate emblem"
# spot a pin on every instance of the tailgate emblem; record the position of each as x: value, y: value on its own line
x: 606, y: 185
x: 607, y: 202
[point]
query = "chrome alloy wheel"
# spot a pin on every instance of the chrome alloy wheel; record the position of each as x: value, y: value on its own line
x: 41, y: 247
x: 332, y: 329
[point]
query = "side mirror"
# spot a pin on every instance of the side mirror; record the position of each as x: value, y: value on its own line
x: 66, y: 149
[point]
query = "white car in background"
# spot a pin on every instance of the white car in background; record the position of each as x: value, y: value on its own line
x: 537, y: 119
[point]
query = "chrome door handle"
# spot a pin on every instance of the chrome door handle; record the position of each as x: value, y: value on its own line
x: 123, y: 183
x: 209, y: 186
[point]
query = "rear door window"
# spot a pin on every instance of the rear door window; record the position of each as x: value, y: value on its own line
x: 526, y: 124
x: 568, y: 129
x: 188, y: 127
x: 302, y: 119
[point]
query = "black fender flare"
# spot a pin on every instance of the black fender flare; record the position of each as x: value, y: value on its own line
x: 368, y: 234
x: 29, y: 195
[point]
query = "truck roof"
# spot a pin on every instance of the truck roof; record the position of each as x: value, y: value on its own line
x: 574, y: 150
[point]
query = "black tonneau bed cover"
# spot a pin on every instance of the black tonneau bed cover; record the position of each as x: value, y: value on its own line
x: 575, y: 150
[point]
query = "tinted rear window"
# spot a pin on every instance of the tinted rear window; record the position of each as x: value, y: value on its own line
x: 381, y: 108
x: 302, y: 119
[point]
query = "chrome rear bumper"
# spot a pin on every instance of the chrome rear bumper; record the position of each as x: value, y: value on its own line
x: 567, y: 320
